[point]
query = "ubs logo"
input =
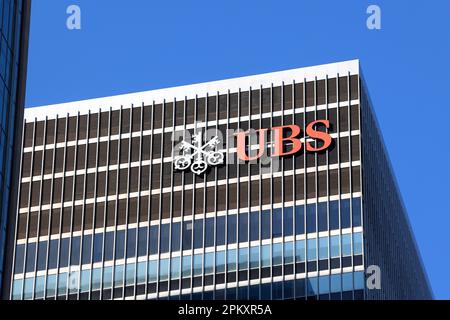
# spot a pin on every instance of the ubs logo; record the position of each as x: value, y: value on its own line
x: 199, y: 155
x: 279, y: 140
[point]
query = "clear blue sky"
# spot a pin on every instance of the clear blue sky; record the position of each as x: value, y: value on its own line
x: 128, y: 46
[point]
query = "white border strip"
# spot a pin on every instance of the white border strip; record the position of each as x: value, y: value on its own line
x: 190, y: 91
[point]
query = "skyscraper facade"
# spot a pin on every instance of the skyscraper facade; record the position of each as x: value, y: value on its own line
x: 14, y: 28
x: 275, y: 186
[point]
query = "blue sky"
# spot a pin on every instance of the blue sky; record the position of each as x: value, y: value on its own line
x: 128, y: 46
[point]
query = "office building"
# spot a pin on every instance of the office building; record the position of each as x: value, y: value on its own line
x: 274, y: 186
x: 14, y: 29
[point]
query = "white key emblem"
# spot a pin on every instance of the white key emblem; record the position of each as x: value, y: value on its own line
x: 198, y: 156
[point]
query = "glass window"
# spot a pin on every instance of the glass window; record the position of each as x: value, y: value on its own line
x: 96, y: 279
x: 334, y: 215
x: 163, y: 269
x: 198, y: 262
x: 335, y: 283
x: 186, y: 266
x: 129, y: 274
x: 152, y: 271
x: 347, y: 281
x: 118, y: 276
x: 323, y: 248
x: 231, y: 234
x: 311, y: 218
x: 299, y: 288
x: 277, y: 254
x: 288, y: 252
x: 154, y: 239
x: 131, y: 243
x: 265, y: 256
x: 175, y: 268
x: 75, y: 251
x: 334, y: 246
x: 265, y: 224
x: 209, y: 232
x: 243, y: 259
x: 254, y: 257
x: 42, y: 255
x: 324, y: 285
x: 312, y: 286
x: 356, y: 212
x: 312, y: 249
x: 220, y: 230
x: 107, y: 277
x: 165, y: 236
x: 243, y: 227
x: 198, y: 233
x: 209, y: 263
x: 74, y: 282
x: 141, y: 271
x: 231, y: 260
x: 300, y: 255
x: 142, y: 242
x: 31, y: 256
x: 276, y: 223
x: 85, y: 280
x: 98, y: 247
x: 220, y: 261
x: 39, y: 289
x: 322, y: 216
x: 28, y: 288
x: 288, y: 221
x: 51, y: 285
x: 357, y: 243
x: 87, y: 246
x: 176, y: 229
x: 346, y: 244
x: 62, y: 284
x: 120, y: 244
x: 20, y: 252
x: 359, y: 280
x: 187, y: 235
x: 64, y: 253
x: 345, y: 213
x: 254, y: 226
x: 109, y: 245
x: 299, y: 220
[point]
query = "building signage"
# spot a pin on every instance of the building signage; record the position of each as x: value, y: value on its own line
x: 278, y: 133
x: 199, y: 155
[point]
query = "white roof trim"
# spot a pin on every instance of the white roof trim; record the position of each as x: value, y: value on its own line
x: 190, y: 91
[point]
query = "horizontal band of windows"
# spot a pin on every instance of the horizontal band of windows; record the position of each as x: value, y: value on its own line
x: 87, y: 231
x: 111, y: 264
x: 200, y: 124
x: 191, y: 237
x: 266, y: 289
x: 144, y: 208
x: 170, y: 205
x: 304, y: 236
x: 230, y: 154
x: 259, y: 256
x: 133, y: 191
x: 75, y: 190
x: 186, y: 112
x: 144, y: 250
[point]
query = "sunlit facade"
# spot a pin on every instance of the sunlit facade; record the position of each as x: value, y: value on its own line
x: 104, y: 214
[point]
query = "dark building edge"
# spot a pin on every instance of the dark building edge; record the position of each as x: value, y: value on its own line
x: 389, y: 240
x: 22, y: 78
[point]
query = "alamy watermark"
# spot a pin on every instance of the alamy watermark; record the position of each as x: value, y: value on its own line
x: 374, y: 20
x: 73, y: 21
